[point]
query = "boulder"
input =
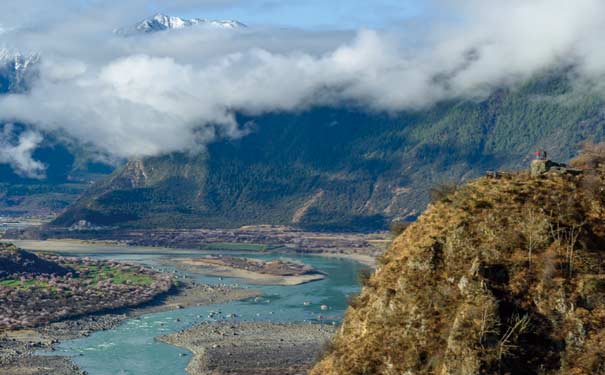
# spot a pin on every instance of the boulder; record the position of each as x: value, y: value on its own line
x: 540, y: 167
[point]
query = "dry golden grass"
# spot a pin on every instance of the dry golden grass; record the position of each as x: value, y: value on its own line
x: 503, y: 276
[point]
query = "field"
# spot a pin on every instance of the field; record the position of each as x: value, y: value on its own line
x: 23, y: 284
x: 117, y: 276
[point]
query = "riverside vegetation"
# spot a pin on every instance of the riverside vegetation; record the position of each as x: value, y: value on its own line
x: 39, y: 289
x: 504, y: 275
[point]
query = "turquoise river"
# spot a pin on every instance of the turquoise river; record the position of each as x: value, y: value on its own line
x: 131, y: 347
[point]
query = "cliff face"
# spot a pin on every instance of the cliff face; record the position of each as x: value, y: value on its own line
x: 503, y: 276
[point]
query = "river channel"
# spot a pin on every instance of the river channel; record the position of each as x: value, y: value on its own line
x: 131, y: 348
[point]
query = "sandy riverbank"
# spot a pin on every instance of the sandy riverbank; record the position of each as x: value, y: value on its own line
x: 252, y: 348
x: 75, y: 246
x: 18, y: 348
x: 209, y: 267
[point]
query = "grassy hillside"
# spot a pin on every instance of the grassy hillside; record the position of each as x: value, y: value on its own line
x: 503, y: 276
x: 343, y: 169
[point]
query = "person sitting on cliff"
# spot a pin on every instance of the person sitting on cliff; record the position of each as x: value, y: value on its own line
x: 541, y: 155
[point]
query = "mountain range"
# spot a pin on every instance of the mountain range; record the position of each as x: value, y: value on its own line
x: 328, y: 168
x: 162, y: 22
x: 345, y: 168
x: 69, y: 167
x: 15, y: 70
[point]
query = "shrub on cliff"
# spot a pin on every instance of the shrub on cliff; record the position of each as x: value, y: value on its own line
x: 592, y: 156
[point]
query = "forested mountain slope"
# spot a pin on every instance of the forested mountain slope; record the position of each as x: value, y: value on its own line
x: 344, y: 169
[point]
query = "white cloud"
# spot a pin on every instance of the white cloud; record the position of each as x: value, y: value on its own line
x: 179, y: 90
x: 17, y: 151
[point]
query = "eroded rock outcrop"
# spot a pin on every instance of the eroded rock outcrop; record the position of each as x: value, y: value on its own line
x: 504, y: 276
x: 540, y: 167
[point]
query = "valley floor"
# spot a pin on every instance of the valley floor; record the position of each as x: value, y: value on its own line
x: 243, y: 348
x: 361, y: 252
x: 257, y: 239
x: 19, y: 349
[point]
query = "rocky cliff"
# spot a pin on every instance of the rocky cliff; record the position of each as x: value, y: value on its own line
x: 503, y: 276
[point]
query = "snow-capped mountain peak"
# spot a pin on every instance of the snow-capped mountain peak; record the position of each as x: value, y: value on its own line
x: 17, y: 60
x: 15, y: 70
x: 161, y: 22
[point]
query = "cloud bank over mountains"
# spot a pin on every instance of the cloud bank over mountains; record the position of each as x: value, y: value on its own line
x: 178, y: 90
x: 17, y: 150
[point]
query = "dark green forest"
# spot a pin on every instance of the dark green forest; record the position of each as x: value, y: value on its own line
x: 345, y: 169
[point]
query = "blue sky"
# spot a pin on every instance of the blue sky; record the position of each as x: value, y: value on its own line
x: 314, y: 14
